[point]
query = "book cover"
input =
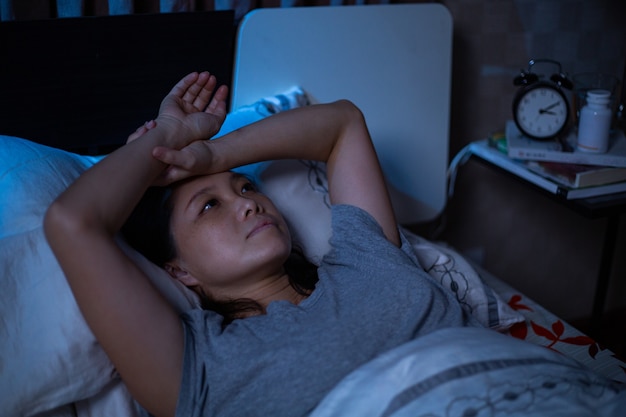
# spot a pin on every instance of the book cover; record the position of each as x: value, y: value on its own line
x: 576, y: 175
x: 522, y: 147
x: 520, y: 168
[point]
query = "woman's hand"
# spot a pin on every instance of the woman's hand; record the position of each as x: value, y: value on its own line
x: 182, y: 163
x: 194, y: 159
x: 194, y: 109
x: 150, y: 124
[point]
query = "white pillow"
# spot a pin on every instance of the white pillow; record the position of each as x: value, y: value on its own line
x: 300, y: 191
x: 48, y: 355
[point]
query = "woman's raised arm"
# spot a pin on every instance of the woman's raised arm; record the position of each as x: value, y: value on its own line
x: 137, y: 328
x: 335, y: 133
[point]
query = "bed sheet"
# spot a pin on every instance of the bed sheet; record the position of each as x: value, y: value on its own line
x: 544, y: 328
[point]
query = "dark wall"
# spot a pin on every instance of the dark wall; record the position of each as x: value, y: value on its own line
x: 112, y: 78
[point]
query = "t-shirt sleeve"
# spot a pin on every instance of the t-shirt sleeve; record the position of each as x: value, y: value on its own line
x: 356, y: 232
x: 199, y: 326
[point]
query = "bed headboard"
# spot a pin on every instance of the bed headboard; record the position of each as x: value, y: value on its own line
x: 393, y: 61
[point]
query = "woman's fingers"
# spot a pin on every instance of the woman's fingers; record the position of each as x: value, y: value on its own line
x: 217, y: 106
x: 172, y: 157
x: 202, y: 90
x: 182, y: 86
x: 179, y: 165
x: 167, y: 156
x: 141, y: 130
x: 199, y: 92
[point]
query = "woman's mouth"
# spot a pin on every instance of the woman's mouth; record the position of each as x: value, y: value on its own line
x: 260, y: 226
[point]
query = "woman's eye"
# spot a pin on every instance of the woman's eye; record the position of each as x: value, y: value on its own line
x: 209, y: 204
x: 248, y: 187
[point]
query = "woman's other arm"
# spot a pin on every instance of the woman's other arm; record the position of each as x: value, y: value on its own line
x: 335, y: 133
x: 138, y: 329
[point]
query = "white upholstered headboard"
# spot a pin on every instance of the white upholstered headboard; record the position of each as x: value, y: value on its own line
x: 393, y: 61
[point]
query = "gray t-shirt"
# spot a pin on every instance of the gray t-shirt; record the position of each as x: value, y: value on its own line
x: 371, y: 297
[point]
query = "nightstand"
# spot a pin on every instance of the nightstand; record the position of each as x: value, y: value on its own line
x: 609, y: 206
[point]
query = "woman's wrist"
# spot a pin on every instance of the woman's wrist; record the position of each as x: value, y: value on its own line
x: 172, y: 133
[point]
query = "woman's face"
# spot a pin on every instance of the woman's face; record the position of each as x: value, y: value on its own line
x: 228, y: 236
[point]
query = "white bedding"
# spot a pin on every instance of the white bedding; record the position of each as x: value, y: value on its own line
x: 473, y: 372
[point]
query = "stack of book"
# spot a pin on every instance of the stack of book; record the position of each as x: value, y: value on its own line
x: 558, y: 166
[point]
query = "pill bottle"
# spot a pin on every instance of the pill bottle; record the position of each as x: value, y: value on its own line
x: 594, y: 123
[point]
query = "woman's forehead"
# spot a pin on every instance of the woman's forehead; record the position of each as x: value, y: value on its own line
x: 206, y: 182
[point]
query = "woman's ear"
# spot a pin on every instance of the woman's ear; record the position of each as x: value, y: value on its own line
x: 181, y: 275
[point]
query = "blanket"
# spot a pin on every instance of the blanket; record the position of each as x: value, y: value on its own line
x: 473, y: 372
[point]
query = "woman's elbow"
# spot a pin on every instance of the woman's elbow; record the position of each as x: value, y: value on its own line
x: 54, y: 219
x: 60, y: 221
x: 351, y: 109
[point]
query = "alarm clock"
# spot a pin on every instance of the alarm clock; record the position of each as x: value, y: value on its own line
x: 540, y: 107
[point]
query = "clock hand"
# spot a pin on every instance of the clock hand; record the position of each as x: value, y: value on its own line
x: 545, y: 110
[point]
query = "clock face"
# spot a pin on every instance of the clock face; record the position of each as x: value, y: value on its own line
x: 541, y: 112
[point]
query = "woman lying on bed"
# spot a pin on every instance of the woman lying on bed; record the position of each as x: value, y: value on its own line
x: 229, y: 243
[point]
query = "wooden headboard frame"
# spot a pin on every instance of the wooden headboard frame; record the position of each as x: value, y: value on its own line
x: 393, y: 61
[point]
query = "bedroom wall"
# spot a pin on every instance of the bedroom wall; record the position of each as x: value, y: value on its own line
x: 547, y: 251
x: 541, y: 247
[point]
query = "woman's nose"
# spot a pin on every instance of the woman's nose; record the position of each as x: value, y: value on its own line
x: 248, y: 206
